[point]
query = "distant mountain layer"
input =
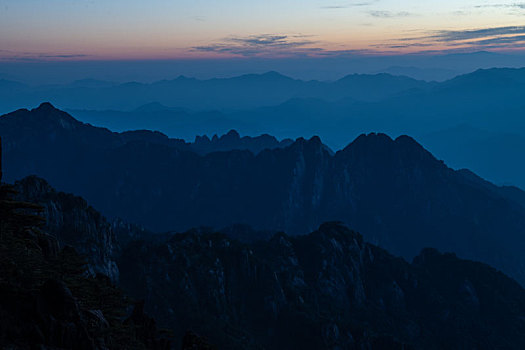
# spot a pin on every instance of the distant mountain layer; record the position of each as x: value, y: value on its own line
x: 428, y: 74
x: 246, y: 91
x: 393, y: 191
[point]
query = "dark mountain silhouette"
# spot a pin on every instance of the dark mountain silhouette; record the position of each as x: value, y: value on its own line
x: 49, y: 299
x: 73, y: 223
x: 233, y: 141
x: 76, y: 144
x: 488, y: 101
x: 393, y: 191
x: 325, y: 290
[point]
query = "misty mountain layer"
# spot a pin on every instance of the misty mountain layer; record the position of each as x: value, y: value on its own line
x: 473, y: 121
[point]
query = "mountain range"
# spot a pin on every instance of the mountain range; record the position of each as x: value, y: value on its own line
x: 393, y: 191
x: 246, y: 91
x: 325, y: 290
x: 486, y: 106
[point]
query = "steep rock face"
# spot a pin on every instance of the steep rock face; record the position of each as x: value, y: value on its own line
x: 393, y: 191
x: 48, y: 301
x: 325, y: 290
x: 73, y: 222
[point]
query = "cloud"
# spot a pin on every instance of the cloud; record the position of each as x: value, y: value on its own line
x: 502, y: 40
x: 8, y: 55
x: 270, y: 40
x: 388, y: 14
x: 402, y: 45
x: 298, y: 45
x: 508, y: 37
x: 198, y: 18
x: 331, y: 7
x: 275, y: 45
x: 345, y: 6
x: 512, y: 6
x: 255, y: 45
x: 61, y: 56
x: 457, y: 35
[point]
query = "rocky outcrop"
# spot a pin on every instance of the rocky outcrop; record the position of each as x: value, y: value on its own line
x: 73, y: 223
x: 325, y: 290
x: 233, y: 141
x: 48, y: 301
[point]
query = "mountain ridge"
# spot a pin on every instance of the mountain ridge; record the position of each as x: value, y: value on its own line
x: 393, y: 191
x: 245, y: 91
x: 329, y: 289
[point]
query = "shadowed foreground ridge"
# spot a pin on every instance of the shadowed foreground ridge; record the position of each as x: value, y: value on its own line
x: 48, y: 300
x: 325, y: 290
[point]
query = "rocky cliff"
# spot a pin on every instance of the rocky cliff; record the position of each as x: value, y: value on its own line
x: 73, y: 223
x: 48, y: 300
x: 325, y: 290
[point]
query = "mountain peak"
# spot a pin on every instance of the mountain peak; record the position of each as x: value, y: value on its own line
x: 375, y: 140
x: 274, y: 74
x: 372, y: 138
x: 232, y: 134
x: 407, y: 140
x: 46, y: 111
x: 46, y: 106
x: 315, y: 139
x: 384, y: 150
x: 270, y: 76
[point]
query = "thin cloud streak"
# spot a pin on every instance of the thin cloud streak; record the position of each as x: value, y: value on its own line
x: 514, y: 6
x: 346, y: 6
x: 9, y: 55
x: 297, y: 45
x: 275, y: 45
x: 256, y: 45
x: 388, y: 14
x: 497, y: 38
x: 457, y: 35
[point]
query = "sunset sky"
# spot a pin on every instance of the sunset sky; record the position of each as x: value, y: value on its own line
x: 164, y: 29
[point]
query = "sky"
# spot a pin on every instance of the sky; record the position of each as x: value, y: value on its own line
x: 208, y: 29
